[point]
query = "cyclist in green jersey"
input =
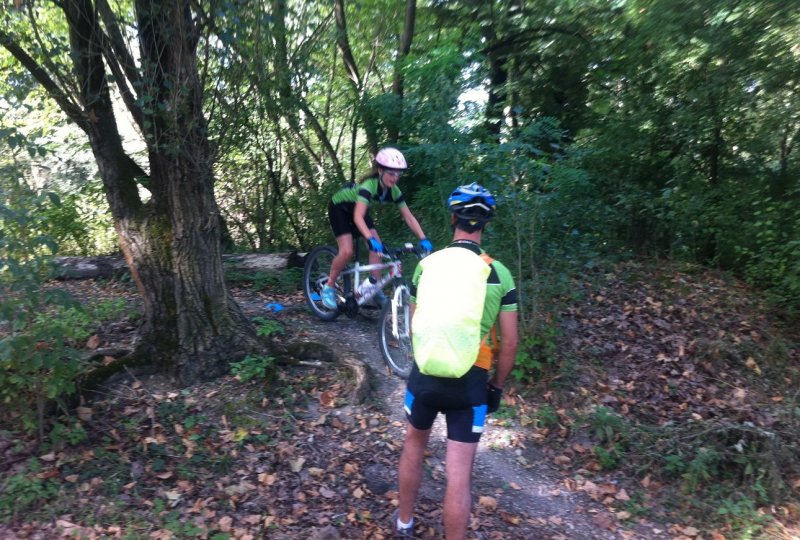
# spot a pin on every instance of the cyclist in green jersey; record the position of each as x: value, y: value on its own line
x: 464, y: 401
x: 348, y: 213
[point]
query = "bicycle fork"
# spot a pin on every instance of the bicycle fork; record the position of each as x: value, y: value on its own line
x: 397, y: 304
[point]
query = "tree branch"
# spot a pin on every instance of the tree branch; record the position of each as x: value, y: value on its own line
x: 61, y: 97
x: 344, y: 45
x: 121, y: 62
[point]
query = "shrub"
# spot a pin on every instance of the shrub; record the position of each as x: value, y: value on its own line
x: 253, y: 367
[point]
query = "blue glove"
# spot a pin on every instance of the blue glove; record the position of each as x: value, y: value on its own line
x: 375, y: 245
x: 425, y: 245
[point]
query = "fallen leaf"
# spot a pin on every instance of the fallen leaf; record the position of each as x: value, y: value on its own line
x: 267, y: 479
x: 591, y: 489
x: 358, y: 493
x: 252, y: 519
x: 510, y: 518
x: 488, y: 503
x: 225, y: 523
x: 327, y: 399
x: 562, y: 460
x: 93, y: 342
x: 604, y: 521
x: 751, y: 363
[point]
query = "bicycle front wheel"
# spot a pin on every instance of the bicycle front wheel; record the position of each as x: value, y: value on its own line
x: 394, y: 335
x: 315, y: 276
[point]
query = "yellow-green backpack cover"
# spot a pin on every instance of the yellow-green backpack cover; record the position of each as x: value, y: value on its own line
x: 446, y: 327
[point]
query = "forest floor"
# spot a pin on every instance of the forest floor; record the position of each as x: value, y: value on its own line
x: 690, y: 352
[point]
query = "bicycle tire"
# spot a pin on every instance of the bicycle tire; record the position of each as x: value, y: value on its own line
x: 315, y: 275
x: 397, y: 352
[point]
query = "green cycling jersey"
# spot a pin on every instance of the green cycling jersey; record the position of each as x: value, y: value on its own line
x: 367, y: 192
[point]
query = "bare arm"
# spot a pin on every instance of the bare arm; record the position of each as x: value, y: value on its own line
x: 412, y: 222
x: 508, y: 348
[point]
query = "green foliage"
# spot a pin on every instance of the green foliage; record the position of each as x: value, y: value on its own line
x: 268, y: 327
x: 725, y: 470
x: 608, y: 458
x: 546, y: 416
x: 772, y: 254
x: 63, y: 434
x: 607, y: 425
x: 253, y: 367
x: 701, y: 468
x: 39, y: 361
x: 283, y: 282
x: 25, y: 491
x: 537, y: 354
x: 742, y: 515
x: 41, y: 329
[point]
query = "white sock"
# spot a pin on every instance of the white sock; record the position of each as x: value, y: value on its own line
x: 401, y: 525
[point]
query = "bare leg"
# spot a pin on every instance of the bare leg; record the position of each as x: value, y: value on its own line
x: 458, y: 495
x: 345, y: 244
x: 374, y: 258
x: 410, y: 469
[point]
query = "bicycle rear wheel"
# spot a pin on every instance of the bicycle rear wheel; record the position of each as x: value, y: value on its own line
x: 315, y: 276
x: 396, y: 347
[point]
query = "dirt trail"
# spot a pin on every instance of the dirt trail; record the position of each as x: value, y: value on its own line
x: 518, y: 491
x: 510, y: 469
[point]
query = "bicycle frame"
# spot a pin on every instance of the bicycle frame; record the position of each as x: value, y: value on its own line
x: 395, y: 268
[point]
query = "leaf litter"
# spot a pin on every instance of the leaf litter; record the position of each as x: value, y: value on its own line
x: 293, y: 459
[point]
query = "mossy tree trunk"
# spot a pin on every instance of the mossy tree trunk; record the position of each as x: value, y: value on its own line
x: 171, y: 239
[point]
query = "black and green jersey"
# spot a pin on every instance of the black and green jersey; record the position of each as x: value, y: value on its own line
x: 367, y: 192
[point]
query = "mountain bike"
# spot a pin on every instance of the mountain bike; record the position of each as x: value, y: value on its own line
x: 394, y: 321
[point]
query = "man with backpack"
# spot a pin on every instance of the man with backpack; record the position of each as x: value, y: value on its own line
x: 464, y: 317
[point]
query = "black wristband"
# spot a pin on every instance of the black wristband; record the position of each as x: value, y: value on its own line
x: 493, y: 395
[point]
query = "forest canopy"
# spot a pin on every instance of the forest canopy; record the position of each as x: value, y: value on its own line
x: 607, y: 129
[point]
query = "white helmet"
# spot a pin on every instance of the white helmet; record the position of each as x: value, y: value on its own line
x: 391, y: 158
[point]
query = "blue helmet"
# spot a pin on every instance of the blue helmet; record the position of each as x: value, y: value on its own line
x: 472, y: 202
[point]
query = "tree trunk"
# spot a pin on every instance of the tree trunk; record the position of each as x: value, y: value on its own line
x: 356, y: 82
x: 402, y: 53
x: 190, y: 314
x: 114, y: 266
x: 192, y: 327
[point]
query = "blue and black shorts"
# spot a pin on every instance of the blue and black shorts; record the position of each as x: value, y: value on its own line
x: 462, y: 401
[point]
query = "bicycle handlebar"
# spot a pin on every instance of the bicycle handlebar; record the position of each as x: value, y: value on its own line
x: 395, y: 252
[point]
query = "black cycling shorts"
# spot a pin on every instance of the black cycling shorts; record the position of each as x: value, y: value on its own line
x: 462, y: 401
x: 341, y: 219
